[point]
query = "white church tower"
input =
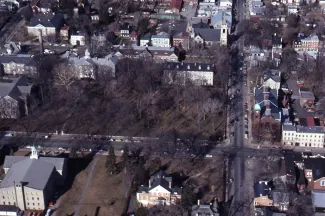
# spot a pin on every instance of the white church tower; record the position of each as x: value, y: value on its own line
x: 34, y: 154
x: 224, y: 34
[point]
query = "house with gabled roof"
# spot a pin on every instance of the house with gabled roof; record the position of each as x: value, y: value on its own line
x: 14, y: 94
x: 272, y: 79
x: 160, y: 191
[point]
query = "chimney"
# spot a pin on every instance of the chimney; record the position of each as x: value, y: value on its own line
x: 170, y: 184
x: 198, y: 202
x: 149, y: 183
x: 40, y: 39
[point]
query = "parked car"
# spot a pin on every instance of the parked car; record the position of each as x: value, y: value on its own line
x: 208, y: 156
x: 9, y: 134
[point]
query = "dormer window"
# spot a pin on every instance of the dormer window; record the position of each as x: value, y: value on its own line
x: 188, y: 67
x: 199, y: 67
x: 208, y: 67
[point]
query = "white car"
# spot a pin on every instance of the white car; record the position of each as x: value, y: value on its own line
x: 62, y: 149
x: 9, y: 135
x: 208, y: 156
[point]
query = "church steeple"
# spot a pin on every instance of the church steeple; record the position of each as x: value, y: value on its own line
x: 34, y: 154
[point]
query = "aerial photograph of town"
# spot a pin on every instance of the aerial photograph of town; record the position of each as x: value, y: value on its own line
x: 162, y: 107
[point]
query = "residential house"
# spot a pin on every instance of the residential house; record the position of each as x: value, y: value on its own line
x: 176, y: 6
x: 307, y: 45
x: 125, y: 30
x: 161, y: 39
x: 30, y: 182
x: 280, y: 199
x: 145, y: 40
x: 315, y: 172
x: 64, y: 32
x: 43, y: 6
x: 225, y: 3
x: 79, y: 38
x: 134, y: 37
x: 205, y: 209
x: 20, y: 64
x: 256, y: 7
x: 221, y: 18
x: 208, y: 37
x: 276, y: 49
x: 181, y: 40
x: 160, y: 191
x: 49, y: 24
x: 262, y: 194
x: 272, y: 78
x: 182, y: 73
x: 292, y: 9
x: 14, y: 98
x: 197, y: 22
x: 267, y: 114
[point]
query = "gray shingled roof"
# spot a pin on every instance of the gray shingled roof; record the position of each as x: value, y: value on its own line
x: 18, y: 59
x: 57, y: 162
x: 208, y: 34
x: 14, y: 88
x: 47, y: 20
x: 272, y: 74
x: 35, y: 173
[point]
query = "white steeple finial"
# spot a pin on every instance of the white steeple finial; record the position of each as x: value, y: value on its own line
x: 34, y: 154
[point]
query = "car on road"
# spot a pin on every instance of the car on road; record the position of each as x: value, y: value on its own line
x: 307, y: 150
x: 208, y: 156
x: 60, y: 148
x: 9, y: 135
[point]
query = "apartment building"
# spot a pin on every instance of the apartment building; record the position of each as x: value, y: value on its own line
x: 272, y: 79
x: 305, y: 136
x: 30, y: 182
x: 49, y: 24
x: 159, y: 191
x: 184, y: 72
x: 304, y: 44
x: 161, y: 39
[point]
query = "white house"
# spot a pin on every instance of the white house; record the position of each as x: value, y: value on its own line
x: 225, y: 3
x: 292, y: 9
x: 78, y: 39
x: 272, y: 79
x: 162, y: 39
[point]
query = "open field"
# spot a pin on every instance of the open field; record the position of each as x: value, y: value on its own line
x: 104, y: 192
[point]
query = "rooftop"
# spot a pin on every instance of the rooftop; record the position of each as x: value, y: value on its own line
x: 188, y: 66
x: 15, y: 88
x: 35, y: 173
x: 208, y: 34
x: 47, y: 20
x: 317, y: 165
x: 261, y: 188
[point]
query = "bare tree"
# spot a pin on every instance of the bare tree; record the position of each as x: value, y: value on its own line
x: 64, y: 75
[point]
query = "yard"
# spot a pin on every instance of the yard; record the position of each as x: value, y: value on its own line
x: 104, y: 194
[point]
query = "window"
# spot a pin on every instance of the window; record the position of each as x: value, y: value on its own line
x: 3, y: 197
x: 322, y: 183
x: 33, y: 204
x: 8, y: 203
x: 4, y: 203
x: 38, y: 204
x: 32, y: 198
x: 28, y: 203
x: 37, y: 198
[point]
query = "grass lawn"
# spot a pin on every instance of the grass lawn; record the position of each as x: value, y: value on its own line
x: 104, y: 192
